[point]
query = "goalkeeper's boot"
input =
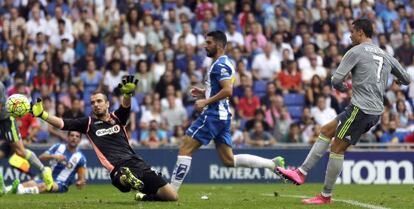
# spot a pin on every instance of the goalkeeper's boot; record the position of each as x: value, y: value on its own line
x: 2, y: 189
x: 295, y: 176
x: 318, y: 200
x: 139, y: 196
x: 48, y: 178
x: 15, y: 186
x: 129, y: 178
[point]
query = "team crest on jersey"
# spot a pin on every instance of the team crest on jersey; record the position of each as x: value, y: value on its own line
x: 108, y: 131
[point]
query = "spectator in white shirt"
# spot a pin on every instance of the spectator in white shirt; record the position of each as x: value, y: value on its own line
x: 233, y: 36
x: 114, y: 76
x: 133, y: 38
x: 280, y: 46
x: 54, y: 22
x: 56, y: 38
x: 36, y: 25
x: 266, y: 65
x: 304, y: 61
x: 321, y: 113
x: 68, y: 54
x: 313, y: 69
x: 117, y: 51
x: 189, y: 37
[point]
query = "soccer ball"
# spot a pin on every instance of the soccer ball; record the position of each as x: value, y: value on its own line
x: 18, y: 105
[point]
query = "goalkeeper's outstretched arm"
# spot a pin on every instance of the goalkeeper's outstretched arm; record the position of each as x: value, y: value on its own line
x: 38, y: 111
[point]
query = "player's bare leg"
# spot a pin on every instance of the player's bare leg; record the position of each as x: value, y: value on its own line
x: 334, y: 168
x: 315, y: 154
x: 165, y: 193
x: 27, y: 154
x: 226, y: 155
x: 183, y: 164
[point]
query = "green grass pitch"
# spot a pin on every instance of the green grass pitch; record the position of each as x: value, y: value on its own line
x: 249, y: 196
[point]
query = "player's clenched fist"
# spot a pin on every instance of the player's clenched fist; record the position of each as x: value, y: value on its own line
x: 197, y: 92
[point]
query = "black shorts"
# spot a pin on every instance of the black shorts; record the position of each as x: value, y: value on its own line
x: 353, y: 122
x: 9, y: 130
x: 152, y: 180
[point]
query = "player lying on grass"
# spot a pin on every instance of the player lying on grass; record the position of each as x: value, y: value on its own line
x: 66, y: 161
x: 108, y: 137
x: 215, y: 119
x: 370, y: 67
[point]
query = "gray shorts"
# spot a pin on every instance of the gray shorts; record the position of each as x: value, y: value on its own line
x: 353, y: 123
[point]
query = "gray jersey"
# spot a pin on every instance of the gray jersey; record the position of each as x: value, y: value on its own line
x: 370, y: 67
x: 3, y: 97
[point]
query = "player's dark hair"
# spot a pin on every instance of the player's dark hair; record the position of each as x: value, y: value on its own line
x: 365, y: 25
x: 100, y: 92
x: 218, y: 36
x: 75, y: 131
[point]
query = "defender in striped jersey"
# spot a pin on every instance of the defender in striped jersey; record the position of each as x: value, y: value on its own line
x: 66, y: 161
x: 370, y: 67
x: 215, y: 119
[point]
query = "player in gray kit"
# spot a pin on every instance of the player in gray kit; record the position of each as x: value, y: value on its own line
x: 370, y: 67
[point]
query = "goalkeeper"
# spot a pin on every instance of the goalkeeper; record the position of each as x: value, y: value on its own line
x: 106, y: 133
x: 10, y: 138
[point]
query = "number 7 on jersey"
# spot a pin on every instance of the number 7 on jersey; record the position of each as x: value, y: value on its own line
x: 381, y: 61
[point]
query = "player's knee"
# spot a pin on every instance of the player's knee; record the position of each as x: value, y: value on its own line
x: 228, y: 162
x: 21, y: 153
x: 326, y: 131
x: 173, y: 197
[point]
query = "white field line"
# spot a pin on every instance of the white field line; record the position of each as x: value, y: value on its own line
x: 349, y: 202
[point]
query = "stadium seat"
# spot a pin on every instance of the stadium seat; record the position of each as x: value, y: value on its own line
x: 295, y: 112
x: 294, y: 99
x: 259, y: 88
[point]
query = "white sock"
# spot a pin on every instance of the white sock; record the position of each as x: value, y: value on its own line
x: 27, y: 190
x: 182, y: 166
x: 252, y: 161
x: 7, y: 188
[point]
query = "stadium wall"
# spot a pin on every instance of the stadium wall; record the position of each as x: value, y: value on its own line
x: 373, y: 167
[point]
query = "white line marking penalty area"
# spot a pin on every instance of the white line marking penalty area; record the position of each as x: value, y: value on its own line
x: 349, y: 202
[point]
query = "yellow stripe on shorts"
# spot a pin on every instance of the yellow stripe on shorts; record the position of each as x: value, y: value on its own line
x: 14, y: 130
x: 348, y: 123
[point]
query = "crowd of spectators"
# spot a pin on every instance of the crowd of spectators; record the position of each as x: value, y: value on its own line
x: 63, y: 50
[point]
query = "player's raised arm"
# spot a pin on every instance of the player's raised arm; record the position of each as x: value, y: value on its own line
x: 398, y: 71
x: 348, y: 62
x: 127, y: 87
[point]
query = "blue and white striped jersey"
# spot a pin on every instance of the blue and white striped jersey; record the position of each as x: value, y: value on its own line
x: 221, y: 69
x: 65, y: 171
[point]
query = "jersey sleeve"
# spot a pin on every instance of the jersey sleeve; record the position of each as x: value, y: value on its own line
x: 398, y: 71
x: 122, y: 114
x: 348, y: 62
x: 76, y: 124
x: 52, y: 149
x: 222, y: 72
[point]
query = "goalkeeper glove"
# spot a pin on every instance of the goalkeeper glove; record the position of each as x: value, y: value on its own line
x: 38, y: 111
x: 128, y: 86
